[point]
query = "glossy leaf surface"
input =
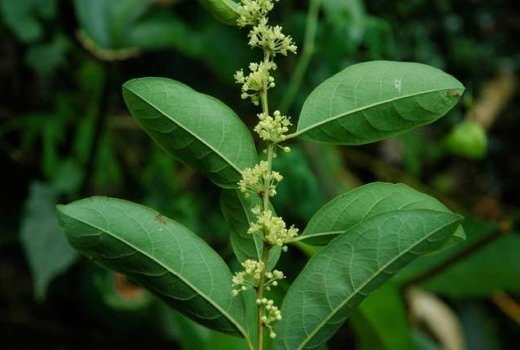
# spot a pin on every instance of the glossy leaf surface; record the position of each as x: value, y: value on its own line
x: 194, y: 128
x: 162, y: 255
x: 348, y: 209
x: 343, y: 273
x: 370, y: 101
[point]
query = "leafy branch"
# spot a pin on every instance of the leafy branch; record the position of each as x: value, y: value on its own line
x: 367, y: 234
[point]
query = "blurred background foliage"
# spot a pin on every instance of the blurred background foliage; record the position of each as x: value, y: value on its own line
x: 65, y: 134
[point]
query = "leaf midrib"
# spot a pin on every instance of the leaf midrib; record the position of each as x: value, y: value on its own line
x: 216, y: 306
x: 339, y: 116
x: 164, y: 114
x: 358, y: 290
x: 303, y: 237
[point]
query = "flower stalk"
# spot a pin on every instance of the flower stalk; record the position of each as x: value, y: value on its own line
x: 261, y: 180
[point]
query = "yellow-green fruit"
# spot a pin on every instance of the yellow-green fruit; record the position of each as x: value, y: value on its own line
x: 226, y: 11
x: 467, y: 139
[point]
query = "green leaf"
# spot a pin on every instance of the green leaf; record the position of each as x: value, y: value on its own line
x: 381, y: 321
x: 343, y: 273
x: 45, y: 246
x: 165, y: 30
x: 348, y: 209
x: 370, y: 101
x: 107, y: 23
x: 220, y: 341
x: 346, y: 18
x: 194, y: 128
x: 226, y: 11
x: 24, y: 17
x: 162, y: 255
x: 45, y: 58
x: 494, y: 267
x: 237, y: 212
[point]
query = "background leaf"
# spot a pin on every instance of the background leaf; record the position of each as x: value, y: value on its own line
x: 24, y: 17
x: 381, y: 321
x: 495, y: 267
x: 47, y: 251
x: 162, y: 255
x: 491, y: 267
x: 194, y: 128
x: 348, y: 209
x: 343, y: 273
x: 237, y: 212
x: 107, y: 23
x: 369, y: 101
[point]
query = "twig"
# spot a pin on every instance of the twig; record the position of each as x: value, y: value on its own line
x: 99, y: 127
x: 461, y: 255
x: 508, y: 305
x: 305, y: 58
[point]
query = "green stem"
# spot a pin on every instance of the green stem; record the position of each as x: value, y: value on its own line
x: 305, y: 58
x: 100, y: 122
x: 259, y: 296
x: 265, y: 205
x: 453, y: 260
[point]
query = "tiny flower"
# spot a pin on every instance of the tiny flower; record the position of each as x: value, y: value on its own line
x: 273, y: 229
x: 271, y: 314
x: 258, y: 80
x: 251, y: 11
x: 259, y: 178
x: 248, y: 278
x: 271, y: 39
x: 272, y: 128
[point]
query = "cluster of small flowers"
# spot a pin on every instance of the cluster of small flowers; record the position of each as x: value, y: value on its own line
x: 258, y: 80
x: 273, y: 129
x: 272, y: 278
x: 270, y: 39
x: 271, y: 314
x: 253, y: 10
x: 249, y: 277
x: 272, y: 227
x: 255, y: 179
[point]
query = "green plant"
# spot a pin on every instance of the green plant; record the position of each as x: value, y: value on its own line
x: 366, y: 235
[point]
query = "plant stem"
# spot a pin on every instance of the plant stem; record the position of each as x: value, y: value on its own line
x: 265, y: 207
x: 303, y: 63
x: 461, y: 255
x: 259, y: 296
x: 99, y: 128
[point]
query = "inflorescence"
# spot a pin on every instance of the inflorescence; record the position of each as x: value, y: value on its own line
x: 261, y: 180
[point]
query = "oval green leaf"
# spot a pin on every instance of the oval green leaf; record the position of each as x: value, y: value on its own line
x: 370, y: 101
x: 349, y: 209
x: 341, y: 275
x: 194, y: 128
x: 226, y: 11
x: 162, y: 255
